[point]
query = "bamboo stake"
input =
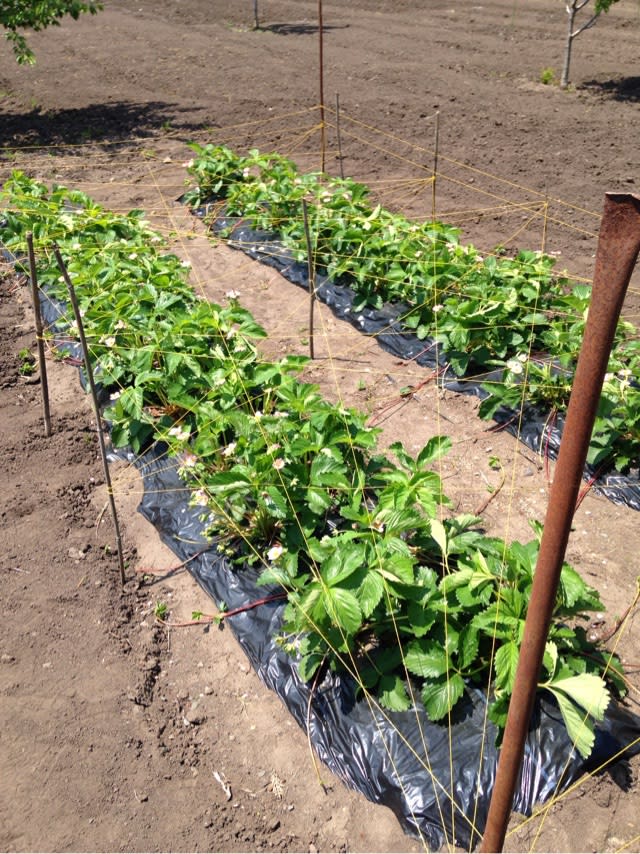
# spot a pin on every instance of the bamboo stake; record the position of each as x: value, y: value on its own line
x: 312, y: 276
x: 44, y: 383
x: 96, y: 406
x: 323, y: 129
x: 339, y: 136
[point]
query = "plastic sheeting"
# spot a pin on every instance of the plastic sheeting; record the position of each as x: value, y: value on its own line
x: 401, y: 760
x: 534, y: 429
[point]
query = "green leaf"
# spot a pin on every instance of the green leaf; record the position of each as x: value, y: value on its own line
x: 426, y: 658
x: 439, y: 534
x: 393, y: 694
x: 506, y: 663
x: 441, y: 695
x: 468, y: 644
x: 586, y: 689
x: 579, y: 725
x: 582, y: 700
x: 343, y: 608
x: 435, y: 448
x: 309, y: 664
x: 371, y: 592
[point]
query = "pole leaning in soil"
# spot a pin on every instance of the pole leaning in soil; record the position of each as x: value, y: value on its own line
x: 312, y: 275
x: 96, y: 406
x: 44, y: 382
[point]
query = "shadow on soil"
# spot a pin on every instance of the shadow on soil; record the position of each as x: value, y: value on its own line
x: 97, y: 122
x: 299, y: 29
x: 622, y: 89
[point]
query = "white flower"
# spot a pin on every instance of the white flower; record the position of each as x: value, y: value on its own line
x: 109, y: 342
x: 515, y: 366
x: 115, y: 395
x: 229, y: 449
x: 180, y: 433
x: 274, y: 553
x: 120, y: 325
x: 378, y: 525
x: 133, y: 256
x: 279, y: 414
x: 187, y: 164
x: 232, y: 294
x: 188, y: 461
x: 245, y: 172
x: 418, y: 254
x: 273, y: 448
x: 200, y: 497
x: 257, y: 415
x: 76, y: 246
x: 279, y: 463
x: 437, y: 308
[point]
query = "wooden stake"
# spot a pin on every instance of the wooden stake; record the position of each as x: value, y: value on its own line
x: 44, y: 383
x: 323, y: 129
x: 312, y: 276
x: 338, y: 133
x: 435, y: 166
x: 96, y: 406
x: 256, y: 20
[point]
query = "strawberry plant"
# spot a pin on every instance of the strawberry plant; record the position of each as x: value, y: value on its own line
x: 509, y: 314
x: 383, y: 581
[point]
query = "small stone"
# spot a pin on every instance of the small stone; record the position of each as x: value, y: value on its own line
x: 208, y: 689
x: 142, y: 797
x: 312, y: 848
x: 5, y: 658
x: 195, y: 715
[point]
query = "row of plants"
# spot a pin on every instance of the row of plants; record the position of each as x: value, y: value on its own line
x: 513, y: 315
x: 383, y: 581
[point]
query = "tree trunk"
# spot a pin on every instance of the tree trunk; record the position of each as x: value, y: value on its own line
x: 571, y: 15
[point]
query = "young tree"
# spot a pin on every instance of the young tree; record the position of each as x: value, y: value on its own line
x: 574, y: 28
x: 19, y: 15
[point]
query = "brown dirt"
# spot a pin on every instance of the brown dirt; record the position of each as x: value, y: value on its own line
x: 96, y: 754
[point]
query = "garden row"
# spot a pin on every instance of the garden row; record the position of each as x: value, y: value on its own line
x: 488, y: 314
x: 382, y: 582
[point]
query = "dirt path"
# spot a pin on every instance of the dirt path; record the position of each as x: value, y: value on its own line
x: 111, y: 727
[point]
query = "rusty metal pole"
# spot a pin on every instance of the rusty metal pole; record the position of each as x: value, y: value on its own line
x: 618, y: 247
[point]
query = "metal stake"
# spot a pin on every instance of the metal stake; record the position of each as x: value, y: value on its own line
x: 618, y: 247
x: 44, y: 383
x: 96, y: 407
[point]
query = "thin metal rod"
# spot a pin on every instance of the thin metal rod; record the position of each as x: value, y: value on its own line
x: 323, y: 127
x: 618, y: 247
x: 339, y: 135
x: 436, y: 149
x: 42, y: 364
x: 256, y: 19
x: 96, y: 407
x: 312, y: 275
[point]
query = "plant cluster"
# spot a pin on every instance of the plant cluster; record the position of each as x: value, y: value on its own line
x: 382, y: 580
x: 489, y: 313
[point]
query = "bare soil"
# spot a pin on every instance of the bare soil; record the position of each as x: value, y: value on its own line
x: 116, y: 731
